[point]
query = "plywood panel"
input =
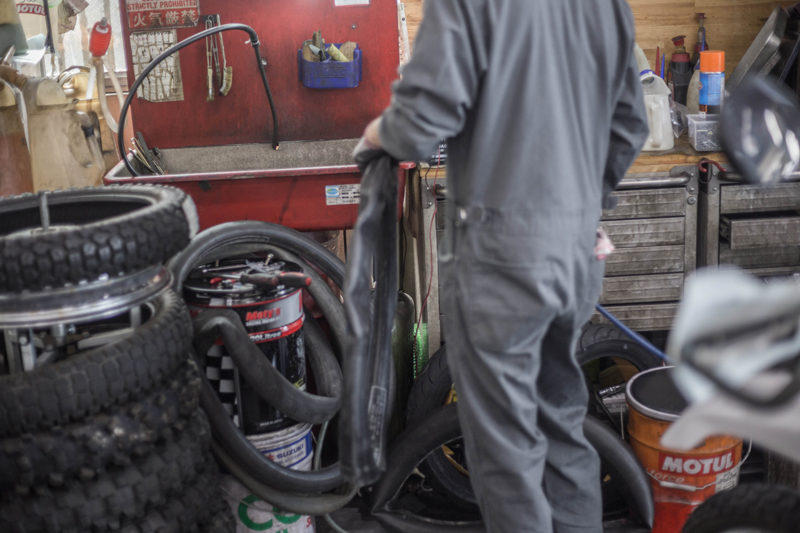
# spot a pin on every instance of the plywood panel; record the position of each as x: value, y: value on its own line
x: 731, y: 25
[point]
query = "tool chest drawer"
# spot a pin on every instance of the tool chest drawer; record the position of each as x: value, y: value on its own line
x: 647, y: 288
x: 778, y: 256
x: 646, y: 231
x: 760, y: 230
x: 646, y: 259
x: 647, y: 204
x: 752, y: 198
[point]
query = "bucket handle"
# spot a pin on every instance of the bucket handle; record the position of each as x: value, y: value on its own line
x: 692, y: 488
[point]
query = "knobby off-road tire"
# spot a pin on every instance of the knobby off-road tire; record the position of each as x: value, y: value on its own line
x: 93, y: 232
x: 92, y: 381
x: 114, y: 496
x: 751, y: 507
x: 113, y: 438
x: 199, y: 507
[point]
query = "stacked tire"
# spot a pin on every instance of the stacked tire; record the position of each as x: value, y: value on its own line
x: 107, y: 434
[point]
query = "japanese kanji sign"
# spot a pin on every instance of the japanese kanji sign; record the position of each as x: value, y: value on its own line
x: 150, y: 14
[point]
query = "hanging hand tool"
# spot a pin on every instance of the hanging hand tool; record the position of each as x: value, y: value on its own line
x: 209, y: 40
x: 215, y: 51
x: 227, y: 72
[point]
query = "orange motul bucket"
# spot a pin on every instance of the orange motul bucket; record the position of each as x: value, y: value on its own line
x: 681, y: 480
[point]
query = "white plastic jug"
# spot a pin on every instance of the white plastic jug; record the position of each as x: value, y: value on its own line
x: 656, y: 101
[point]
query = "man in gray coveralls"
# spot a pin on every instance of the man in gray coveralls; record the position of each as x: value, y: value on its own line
x: 541, y: 104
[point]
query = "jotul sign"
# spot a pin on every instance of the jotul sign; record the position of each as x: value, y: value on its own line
x: 693, y: 466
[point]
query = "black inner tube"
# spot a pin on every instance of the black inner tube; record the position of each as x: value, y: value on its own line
x: 270, y: 385
x: 260, y: 62
x: 234, y: 238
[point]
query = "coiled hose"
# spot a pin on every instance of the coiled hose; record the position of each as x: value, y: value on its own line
x: 182, y: 44
x: 301, y: 492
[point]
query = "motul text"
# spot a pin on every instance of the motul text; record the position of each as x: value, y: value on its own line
x: 696, y: 466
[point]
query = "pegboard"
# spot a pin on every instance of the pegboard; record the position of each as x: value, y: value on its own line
x: 243, y: 115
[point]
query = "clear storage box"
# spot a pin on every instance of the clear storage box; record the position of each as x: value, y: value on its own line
x: 704, y: 132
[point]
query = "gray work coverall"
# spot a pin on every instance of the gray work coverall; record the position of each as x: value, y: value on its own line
x: 541, y: 104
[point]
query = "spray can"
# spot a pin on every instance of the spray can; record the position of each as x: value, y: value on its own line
x: 712, y: 80
x: 680, y: 70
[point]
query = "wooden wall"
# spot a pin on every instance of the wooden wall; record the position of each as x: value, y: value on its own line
x: 731, y: 25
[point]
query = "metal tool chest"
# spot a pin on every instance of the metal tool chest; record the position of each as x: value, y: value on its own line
x: 654, y: 228
x: 751, y: 226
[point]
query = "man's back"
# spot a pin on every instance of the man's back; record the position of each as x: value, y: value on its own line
x: 526, y: 89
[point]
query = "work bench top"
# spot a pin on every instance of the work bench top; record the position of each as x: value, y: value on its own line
x: 647, y: 164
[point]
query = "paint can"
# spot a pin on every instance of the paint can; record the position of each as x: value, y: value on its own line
x: 680, y: 480
x: 290, y: 447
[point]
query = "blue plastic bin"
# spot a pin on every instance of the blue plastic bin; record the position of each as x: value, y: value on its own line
x: 329, y: 74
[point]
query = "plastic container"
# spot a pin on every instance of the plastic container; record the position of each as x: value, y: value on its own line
x: 656, y: 101
x: 680, y: 480
x: 329, y: 74
x: 704, y: 132
x: 712, y: 80
x: 290, y: 447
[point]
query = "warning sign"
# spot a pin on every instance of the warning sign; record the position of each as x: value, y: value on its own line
x: 164, y: 83
x: 148, y: 14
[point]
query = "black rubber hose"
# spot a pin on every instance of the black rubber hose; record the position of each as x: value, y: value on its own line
x: 295, y: 503
x: 268, y: 383
x: 324, y: 366
x: 368, y: 364
x: 182, y: 44
x: 253, y: 462
x: 233, y: 238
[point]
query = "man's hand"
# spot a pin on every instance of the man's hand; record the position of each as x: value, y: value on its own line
x: 603, y: 246
x: 370, y: 139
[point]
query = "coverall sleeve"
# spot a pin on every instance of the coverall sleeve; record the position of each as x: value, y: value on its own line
x: 629, y: 131
x: 440, y: 84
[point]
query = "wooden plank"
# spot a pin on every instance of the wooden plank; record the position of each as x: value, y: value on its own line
x: 731, y: 25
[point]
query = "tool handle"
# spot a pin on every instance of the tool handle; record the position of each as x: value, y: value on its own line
x: 287, y: 279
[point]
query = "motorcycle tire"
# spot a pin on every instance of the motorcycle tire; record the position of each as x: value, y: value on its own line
x: 432, y: 389
x: 199, y: 507
x: 594, y: 333
x: 117, y: 495
x: 441, y: 426
x: 113, y: 438
x: 751, y: 507
x: 91, y: 233
x: 89, y: 382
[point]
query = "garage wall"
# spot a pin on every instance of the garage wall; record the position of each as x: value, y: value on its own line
x: 731, y: 25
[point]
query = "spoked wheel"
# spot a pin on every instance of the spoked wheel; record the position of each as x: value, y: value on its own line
x: 444, y: 476
x: 751, y: 508
x: 75, y: 236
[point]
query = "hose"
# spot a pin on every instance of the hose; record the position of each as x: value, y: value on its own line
x: 367, y: 369
x: 253, y: 462
x: 182, y: 44
x: 294, y: 503
x: 234, y: 238
x: 270, y: 385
